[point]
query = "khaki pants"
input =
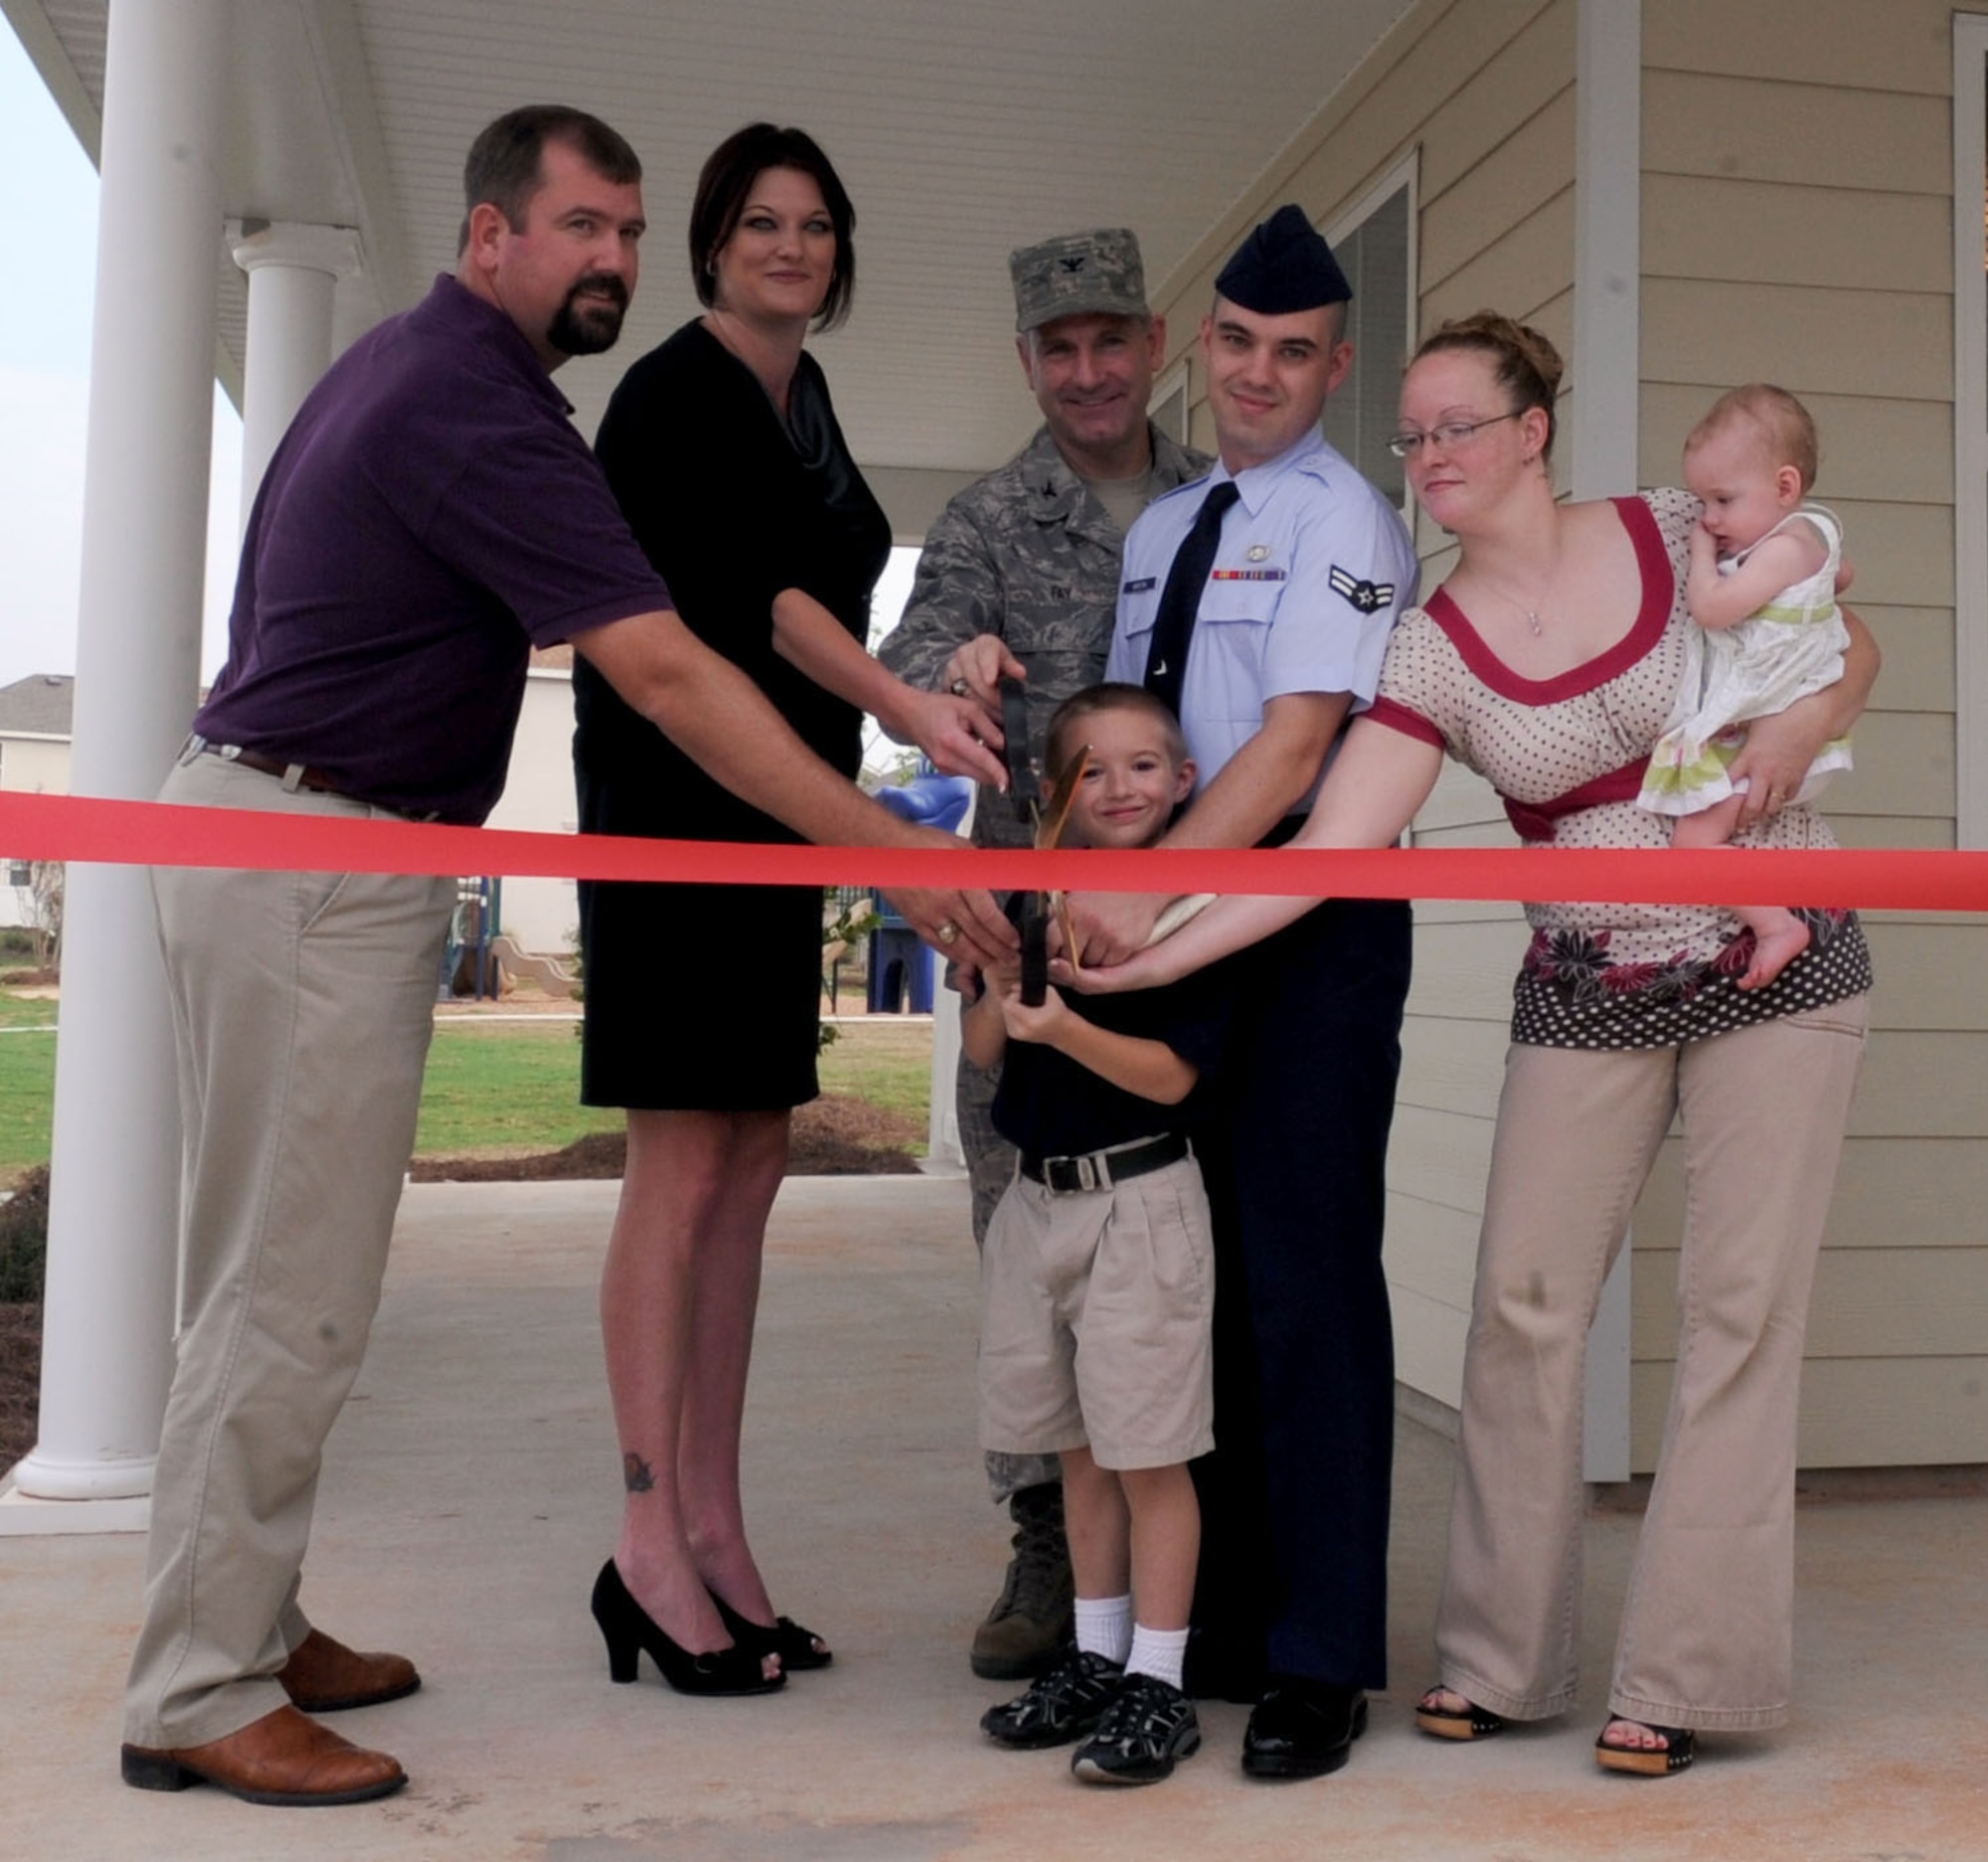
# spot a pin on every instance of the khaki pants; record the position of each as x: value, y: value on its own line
x: 1706, y: 1636
x: 1095, y: 1316
x: 303, y: 1006
x: 990, y: 1168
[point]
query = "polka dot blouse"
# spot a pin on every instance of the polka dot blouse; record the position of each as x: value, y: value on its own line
x: 1566, y: 755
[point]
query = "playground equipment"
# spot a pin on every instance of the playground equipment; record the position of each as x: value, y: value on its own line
x: 468, y: 967
x: 903, y: 971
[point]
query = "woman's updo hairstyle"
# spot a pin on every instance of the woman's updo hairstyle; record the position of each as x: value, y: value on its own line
x: 1527, y: 366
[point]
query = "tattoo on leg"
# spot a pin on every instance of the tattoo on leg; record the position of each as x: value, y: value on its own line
x: 636, y: 1475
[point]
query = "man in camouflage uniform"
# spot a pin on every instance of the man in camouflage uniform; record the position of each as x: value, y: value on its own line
x: 1020, y: 576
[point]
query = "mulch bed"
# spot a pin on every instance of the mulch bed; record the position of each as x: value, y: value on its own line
x: 20, y: 1380
x: 834, y: 1137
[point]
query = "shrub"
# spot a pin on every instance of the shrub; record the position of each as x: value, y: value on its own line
x: 24, y: 1237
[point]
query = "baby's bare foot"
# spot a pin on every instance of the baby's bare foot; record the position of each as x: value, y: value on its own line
x: 1774, y: 948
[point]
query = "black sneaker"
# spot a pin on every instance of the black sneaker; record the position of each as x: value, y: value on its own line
x: 1148, y: 1723
x: 1065, y: 1704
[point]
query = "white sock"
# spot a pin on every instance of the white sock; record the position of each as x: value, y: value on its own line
x: 1159, y: 1653
x: 1104, y: 1626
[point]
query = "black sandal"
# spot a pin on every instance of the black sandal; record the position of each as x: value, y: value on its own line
x: 1678, y: 1751
x: 1474, y: 1722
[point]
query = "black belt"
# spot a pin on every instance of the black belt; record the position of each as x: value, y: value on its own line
x: 1099, y: 1170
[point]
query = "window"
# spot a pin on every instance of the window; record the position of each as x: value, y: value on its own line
x: 1374, y: 244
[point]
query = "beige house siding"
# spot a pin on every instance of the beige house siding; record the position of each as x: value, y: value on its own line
x: 1484, y: 92
x: 1797, y: 202
x: 1796, y: 224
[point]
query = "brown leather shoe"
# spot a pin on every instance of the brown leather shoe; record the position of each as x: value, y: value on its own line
x: 323, y: 1676
x: 280, y: 1758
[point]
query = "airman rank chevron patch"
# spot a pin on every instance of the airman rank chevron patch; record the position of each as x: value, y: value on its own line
x: 1366, y: 596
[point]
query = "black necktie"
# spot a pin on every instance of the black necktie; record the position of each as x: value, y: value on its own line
x: 1180, y: 600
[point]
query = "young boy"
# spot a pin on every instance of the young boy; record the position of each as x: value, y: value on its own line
x: 1097, y: 1279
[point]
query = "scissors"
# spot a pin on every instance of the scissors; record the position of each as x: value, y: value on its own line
x: 1047, y: 816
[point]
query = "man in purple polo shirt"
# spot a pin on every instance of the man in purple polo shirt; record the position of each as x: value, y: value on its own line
x: 431, y: 516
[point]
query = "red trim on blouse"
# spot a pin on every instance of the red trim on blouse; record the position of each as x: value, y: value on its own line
x: 1659, y: 596
x: 1398, y: 717
x: 1535, y: 820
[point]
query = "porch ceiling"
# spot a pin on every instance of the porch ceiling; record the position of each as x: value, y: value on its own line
x: 961, y: 129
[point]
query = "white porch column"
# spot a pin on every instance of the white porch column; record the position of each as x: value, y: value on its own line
x: 1608, y: 385
x: 293, y: 271
x: 114, y: 1191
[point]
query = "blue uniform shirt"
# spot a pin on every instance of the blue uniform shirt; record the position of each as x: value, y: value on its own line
x: 1313, y: 567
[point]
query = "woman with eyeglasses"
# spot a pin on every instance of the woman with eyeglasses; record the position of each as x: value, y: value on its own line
x: 1548, y: 663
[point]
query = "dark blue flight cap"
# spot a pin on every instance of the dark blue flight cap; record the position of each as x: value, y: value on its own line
x: 1284, y: 265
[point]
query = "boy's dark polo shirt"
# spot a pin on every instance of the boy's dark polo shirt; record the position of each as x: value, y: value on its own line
x: 1048, y: 1106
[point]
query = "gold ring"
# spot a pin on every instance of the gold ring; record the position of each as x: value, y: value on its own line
x: 949, y: 934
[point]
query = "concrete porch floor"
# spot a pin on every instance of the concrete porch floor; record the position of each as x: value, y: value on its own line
x: 470, y: 1493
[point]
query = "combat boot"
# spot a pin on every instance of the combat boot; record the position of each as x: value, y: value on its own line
x: 1029, y: 1626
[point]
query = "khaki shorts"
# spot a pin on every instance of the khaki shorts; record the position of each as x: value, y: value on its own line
x: 1095, y: 1315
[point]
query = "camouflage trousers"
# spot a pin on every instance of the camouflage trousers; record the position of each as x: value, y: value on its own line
x: 990, y: 1164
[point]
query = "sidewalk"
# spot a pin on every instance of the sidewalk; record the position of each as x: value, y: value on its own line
x: 470, y: 1494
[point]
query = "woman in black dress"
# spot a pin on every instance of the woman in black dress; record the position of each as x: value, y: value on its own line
x: 725, y: 453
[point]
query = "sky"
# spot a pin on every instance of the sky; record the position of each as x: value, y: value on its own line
x: 47, y: 201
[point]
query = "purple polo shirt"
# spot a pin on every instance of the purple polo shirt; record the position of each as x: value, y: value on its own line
x: 431, y: 516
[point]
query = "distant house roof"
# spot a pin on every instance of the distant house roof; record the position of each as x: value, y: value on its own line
x: 41, y: 704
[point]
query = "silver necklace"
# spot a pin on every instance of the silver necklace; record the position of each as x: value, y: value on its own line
x: 1532, y: 614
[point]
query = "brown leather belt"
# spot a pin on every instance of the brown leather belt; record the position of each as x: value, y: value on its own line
x: 292, y: 775
x: 1099, y: 1170
x: 305, y: 776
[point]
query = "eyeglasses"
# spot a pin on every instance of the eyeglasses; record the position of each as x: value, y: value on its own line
x: 1449, y: 435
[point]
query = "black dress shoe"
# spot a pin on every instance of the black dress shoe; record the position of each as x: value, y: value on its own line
x: 1225, y: 1667
x: 1302, y: 1729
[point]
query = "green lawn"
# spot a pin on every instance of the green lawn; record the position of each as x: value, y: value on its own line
x: 25, y: 1011
x: 496, y: 1085
x: 504, y: 1085
x: 491, y: 1086
x: 27, y: 1086
x: 885, y: 1061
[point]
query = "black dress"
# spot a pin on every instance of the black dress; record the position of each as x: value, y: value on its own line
x: 706, y: 998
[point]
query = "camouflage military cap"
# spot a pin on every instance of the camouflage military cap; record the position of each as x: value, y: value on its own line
x: 1077, y: 274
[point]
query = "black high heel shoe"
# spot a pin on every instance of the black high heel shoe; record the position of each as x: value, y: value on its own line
x: 627, y: 1629
x: 797, y: 1647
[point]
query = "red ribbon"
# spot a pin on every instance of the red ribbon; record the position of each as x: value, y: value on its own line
x: 147, y: 833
